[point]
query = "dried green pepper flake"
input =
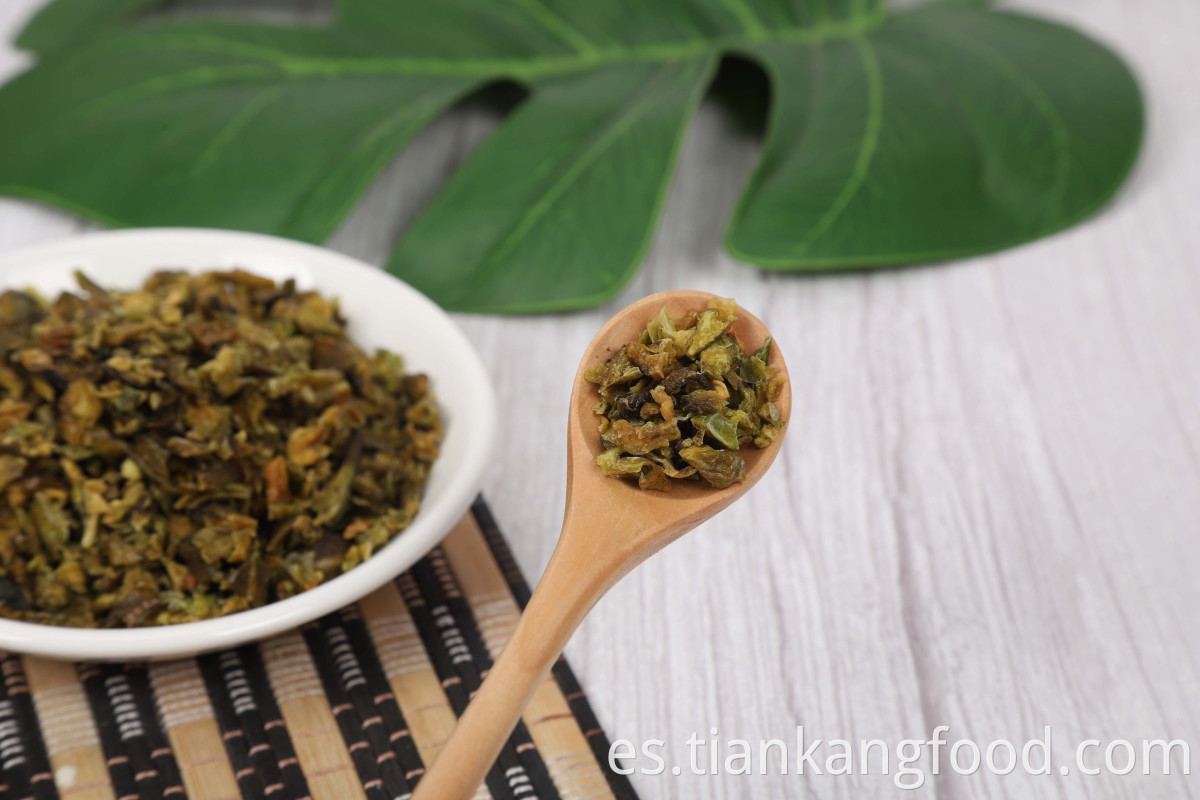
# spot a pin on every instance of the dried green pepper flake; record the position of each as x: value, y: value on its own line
x: 681, y: 401
x: 721, y: 468
x: 197, y: 446
x: 722, y: 428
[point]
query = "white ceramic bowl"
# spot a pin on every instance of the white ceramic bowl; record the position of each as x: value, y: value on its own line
x: 382, y: 312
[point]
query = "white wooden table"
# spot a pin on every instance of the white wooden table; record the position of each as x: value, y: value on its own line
x: 987, y: 512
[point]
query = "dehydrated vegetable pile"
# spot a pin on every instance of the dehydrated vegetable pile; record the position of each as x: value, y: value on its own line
x: 199, y: 446
x: 680, y: 402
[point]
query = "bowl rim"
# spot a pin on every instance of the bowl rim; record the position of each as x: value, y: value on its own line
x: 428, y: 528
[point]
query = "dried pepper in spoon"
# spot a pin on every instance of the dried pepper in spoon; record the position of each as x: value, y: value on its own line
x: 680, y: 402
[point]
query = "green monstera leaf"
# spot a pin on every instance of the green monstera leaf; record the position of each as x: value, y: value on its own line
x: 938, y: 132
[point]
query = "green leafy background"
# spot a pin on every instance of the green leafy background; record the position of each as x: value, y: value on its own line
x: 892, y: 137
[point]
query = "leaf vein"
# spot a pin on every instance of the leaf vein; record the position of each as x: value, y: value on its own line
x: 558, y: 26
x: 191, y: 79
x: 621, y: 121
x: 427, y: 103
x: 229, y: 131
x: 1059, y: 134
x: 745, y: 15
x: 340, y: 66
x: 867, y: 147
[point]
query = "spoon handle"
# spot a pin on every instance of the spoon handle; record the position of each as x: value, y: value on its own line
x: 569, y: 588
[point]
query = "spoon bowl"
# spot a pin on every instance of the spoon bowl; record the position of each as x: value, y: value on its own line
x: 609, y: 527
x: 583, y: 440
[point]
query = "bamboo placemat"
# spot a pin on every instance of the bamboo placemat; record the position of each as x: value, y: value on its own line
x: 351, y: 706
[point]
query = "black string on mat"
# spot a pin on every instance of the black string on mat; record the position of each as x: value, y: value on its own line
x: 161, y: 758
x: 480, y: 662
x: 394, y: 725
x: 236, y: 693
x: 349, y: 722
x: 24, y: 764
x: 457, y: 693
x: 117, y: 739
x: 282, y: 748
x: 619, y: 784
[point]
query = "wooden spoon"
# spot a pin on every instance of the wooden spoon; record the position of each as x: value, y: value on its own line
x: 610, y: 526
